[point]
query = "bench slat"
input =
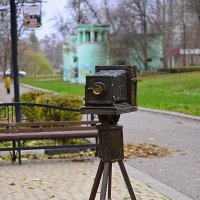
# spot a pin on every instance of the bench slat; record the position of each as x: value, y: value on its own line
x: 45, y: 129
x: 54, y: 123
x: 50, y: 147
x: 48, y: 135
x: 26, y: 131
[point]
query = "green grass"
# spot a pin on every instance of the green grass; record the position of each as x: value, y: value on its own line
x: 173, y: 92
x: 54, y: 83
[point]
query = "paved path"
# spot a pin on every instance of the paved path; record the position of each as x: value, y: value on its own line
x: 69, y: 179
x: 180, y: 134
x: 7, y: 98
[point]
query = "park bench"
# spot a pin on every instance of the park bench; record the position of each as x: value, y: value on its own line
x: 14, y: 135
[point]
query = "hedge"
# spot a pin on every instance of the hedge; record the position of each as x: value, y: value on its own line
x: 178, y: 70
x: 61, y: 100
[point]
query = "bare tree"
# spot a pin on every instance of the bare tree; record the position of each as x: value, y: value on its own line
x: 5, y: 41
x: 4, y: 35
x: 78, y: 12
x: 194, y: 6
x: 52, y: 48
x: 137, y: 15
x: 111, y: 14
x: 132, y: 21
x: 187, y: 29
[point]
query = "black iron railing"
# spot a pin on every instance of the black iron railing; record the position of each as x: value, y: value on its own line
x: 32, y: 112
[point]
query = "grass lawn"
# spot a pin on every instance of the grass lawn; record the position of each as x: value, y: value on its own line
x: 173, y: 92
x: 54, y: 83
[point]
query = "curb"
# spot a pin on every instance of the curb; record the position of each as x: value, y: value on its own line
x: 37, y: 88
x: 170, y: 113
x: 160, y: 187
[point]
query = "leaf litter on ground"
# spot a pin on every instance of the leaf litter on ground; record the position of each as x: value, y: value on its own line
x: 144, y: 150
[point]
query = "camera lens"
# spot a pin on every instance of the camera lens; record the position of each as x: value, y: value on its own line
x: 97, y: 89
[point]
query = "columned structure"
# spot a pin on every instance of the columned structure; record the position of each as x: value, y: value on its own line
x: 92, y: 48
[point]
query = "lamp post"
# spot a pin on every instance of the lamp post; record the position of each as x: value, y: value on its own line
x: 15, y: 56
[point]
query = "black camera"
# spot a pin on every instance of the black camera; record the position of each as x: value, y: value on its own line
x: 111, y: 90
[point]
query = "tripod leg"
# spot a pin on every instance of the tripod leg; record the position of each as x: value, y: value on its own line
x: 127, y: 181
x: 96, y: 181
x: 14, y: 152
x: 110, y: 181
x: 19, y: 153
x: 105, y: 180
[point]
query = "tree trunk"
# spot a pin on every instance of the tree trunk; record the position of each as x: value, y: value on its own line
x: 145, y: 44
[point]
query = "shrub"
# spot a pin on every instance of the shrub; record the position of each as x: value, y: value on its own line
x: 45, y: 114
x: 60, y: 100
x: 30, y: 97
x: 178, y: 70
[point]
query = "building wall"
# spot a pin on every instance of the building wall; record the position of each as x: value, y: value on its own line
x: 66, y: 62
x: 70, y: 72
x: 155, y: 52
x: 129, y: 56
x: 89, y: 48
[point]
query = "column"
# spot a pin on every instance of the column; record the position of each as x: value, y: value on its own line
x: 80, y: 37
x: 99, y: 37
x: 84, y: 37
x: 92, y: 36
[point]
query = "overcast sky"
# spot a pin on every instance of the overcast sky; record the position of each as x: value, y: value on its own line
x: 49, y: 9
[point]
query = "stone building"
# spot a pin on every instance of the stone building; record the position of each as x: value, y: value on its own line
x: 84, y: 51
x: 93, y: 45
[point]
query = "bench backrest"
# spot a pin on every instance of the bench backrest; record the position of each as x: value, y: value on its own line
x: 22, y: 127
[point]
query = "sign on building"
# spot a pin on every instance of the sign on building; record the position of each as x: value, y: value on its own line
x: 189, y: 51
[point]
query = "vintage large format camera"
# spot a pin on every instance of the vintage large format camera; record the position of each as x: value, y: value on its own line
x: 112, y: 90
x: 109, y: 93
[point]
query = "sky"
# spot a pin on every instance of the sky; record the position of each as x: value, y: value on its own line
x: 49, y: 9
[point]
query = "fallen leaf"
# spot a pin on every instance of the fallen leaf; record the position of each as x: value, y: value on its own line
x: 40, y: 181
x: 51, y: 197
x: 145, y: 150
x: 36, y: 179
x: 151, y: 139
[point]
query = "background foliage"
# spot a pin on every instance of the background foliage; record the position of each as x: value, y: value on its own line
x: 61, y: 100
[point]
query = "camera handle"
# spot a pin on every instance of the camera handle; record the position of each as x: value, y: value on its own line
x: 111, y: 150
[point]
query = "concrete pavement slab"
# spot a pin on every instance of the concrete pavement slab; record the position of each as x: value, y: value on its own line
x: 69, y: 179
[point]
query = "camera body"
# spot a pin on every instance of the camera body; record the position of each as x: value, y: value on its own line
x: 111, y: 90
